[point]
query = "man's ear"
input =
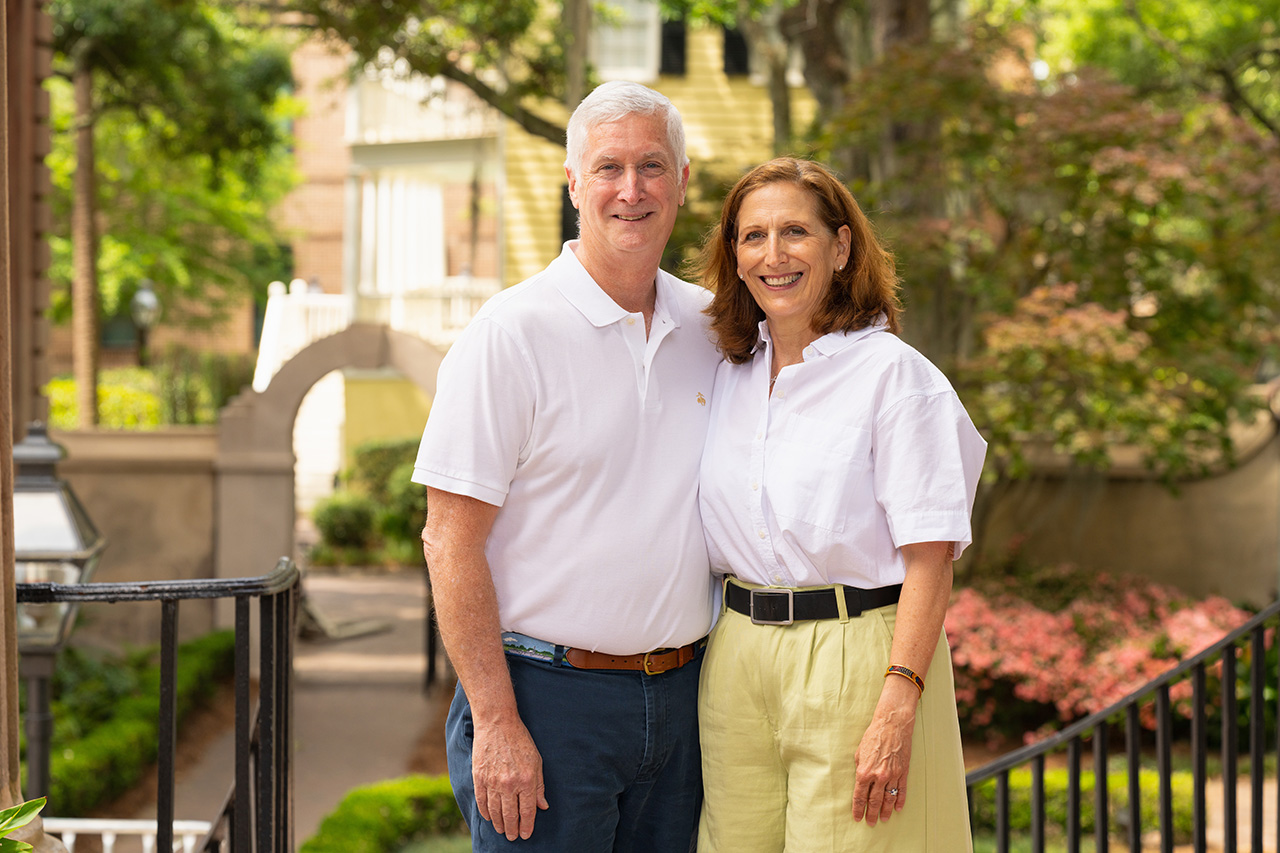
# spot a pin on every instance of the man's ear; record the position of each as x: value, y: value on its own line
x: 573, y: 186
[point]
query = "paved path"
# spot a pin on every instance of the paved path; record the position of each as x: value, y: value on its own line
x: 359, y: 705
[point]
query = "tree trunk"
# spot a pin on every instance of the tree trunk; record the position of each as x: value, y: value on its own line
x: 84, y: 250
x: 577, y: 28
x: 767, y: 41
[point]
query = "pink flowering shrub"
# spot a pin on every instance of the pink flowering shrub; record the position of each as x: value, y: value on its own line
x: 1086, y: 642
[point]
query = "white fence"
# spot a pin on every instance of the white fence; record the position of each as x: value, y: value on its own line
x: 187, y: 833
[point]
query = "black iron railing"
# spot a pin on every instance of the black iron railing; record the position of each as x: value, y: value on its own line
x: 257, y: 816
x: 1155, y: 701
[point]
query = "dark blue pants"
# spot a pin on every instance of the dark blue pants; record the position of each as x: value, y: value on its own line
x: 620, y: 759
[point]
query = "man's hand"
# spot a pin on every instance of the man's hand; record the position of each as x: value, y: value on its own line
x: 507, y: 770
x: 505, y: 764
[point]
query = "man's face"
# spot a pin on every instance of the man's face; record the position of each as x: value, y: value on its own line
x: 630, y: 188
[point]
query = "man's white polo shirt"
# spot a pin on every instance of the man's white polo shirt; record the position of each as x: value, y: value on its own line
x: 553, y: 406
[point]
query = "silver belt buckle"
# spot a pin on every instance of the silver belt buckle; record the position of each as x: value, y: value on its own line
x: 791, y: 607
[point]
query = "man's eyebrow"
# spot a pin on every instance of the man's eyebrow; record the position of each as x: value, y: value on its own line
x: 610, y: 157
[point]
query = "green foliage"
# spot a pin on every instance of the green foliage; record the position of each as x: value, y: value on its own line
x: 195, y: 386
x: 379, y: 520
x: 346, y: 520
x: 192, y: 153
x: 384, y: 817
x: 983, y: 803
x: 519, y: 44
x: 1226, y: 48
x: 17, y: 817
x: 400, y: 518
x: 1116, y: 249
x: 91, y: 763
x: 374, y: 462
x: 182, y: 387
x: 1077, y: 378
x: 126, y: 400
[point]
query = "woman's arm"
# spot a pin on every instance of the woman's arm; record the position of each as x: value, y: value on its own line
x: 884, y: 754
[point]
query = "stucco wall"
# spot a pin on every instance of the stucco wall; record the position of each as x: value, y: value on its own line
x: 1216, y: 535
x: 151, y: 495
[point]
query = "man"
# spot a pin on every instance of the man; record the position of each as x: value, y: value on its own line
x: 566, y: 554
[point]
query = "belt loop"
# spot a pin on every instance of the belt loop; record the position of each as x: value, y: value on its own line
x: 557, y: 658
x: 724, y: 595
x: 842, y: 605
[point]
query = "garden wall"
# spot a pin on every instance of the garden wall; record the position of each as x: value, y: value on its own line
x: 1215, y: 535
x: 151, y: 494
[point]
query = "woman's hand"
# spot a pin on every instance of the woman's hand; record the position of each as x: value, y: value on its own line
x: 884, y: 754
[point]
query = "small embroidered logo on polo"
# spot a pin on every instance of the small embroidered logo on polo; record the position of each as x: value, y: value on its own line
x: 702, y: 401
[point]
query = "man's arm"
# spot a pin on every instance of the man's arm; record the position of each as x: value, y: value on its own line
x: 505, y: 762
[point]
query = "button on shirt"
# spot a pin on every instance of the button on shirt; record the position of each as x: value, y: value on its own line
x: 862, y: 448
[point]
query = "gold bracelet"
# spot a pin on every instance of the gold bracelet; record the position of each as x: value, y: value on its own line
x: 906, y: 673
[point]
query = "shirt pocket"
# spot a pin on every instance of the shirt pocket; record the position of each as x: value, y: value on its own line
x: 820, y: 473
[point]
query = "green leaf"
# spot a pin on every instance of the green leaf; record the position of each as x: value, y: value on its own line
x: 15, y: 817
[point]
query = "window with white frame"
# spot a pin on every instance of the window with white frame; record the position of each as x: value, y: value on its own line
x: 626, y: 40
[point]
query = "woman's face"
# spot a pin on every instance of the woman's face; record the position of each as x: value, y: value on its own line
x: 786, y: 255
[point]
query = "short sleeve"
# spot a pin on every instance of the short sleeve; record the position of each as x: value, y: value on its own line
x: 927, y: 462
x: 481, y: 418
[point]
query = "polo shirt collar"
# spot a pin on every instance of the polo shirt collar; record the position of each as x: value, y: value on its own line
x: 583, y: 293
x: 832, y: 342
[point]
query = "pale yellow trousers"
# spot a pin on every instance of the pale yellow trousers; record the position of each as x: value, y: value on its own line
x: 781, y: 711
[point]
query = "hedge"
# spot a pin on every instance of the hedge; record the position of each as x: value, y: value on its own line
x: 112, y: 757
x: 983, y: 804
x: 386, y: 816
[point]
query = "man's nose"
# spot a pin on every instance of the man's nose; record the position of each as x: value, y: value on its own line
x: 631, y: 189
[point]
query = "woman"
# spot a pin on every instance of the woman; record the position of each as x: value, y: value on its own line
x: 837, y: 483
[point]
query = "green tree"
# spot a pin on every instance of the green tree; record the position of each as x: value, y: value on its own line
x: 512, y: 55
x: 1227, y: 50
x: 201, y: 92
x: 1114, y: 255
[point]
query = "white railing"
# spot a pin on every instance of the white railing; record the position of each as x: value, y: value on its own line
x: 294, y: 319
x: 437, y: 315
x: 69, y: 829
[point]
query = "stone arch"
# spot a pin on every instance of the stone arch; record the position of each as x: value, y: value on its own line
x: 254, y: 485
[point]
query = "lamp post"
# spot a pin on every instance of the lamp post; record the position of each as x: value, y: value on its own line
x: 145, y: 310
x: 54, y: 543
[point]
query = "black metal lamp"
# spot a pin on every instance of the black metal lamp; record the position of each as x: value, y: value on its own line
x: 54, y: 543
x: 144, y: 308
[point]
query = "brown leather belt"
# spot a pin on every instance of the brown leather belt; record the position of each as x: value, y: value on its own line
x: 650, y: 663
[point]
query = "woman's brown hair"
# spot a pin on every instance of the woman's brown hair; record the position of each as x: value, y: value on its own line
x: 866, y: 288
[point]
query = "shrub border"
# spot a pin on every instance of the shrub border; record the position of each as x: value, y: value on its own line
x: 1056, y: 780
x: 385, y: 816
x: 111, y: 758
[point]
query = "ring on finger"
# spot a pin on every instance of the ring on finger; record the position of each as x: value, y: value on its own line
x: 893, y: 792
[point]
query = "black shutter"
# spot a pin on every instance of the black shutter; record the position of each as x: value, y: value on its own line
x: 737, y: 62
x: 673, y: 48
x: 568, y: 217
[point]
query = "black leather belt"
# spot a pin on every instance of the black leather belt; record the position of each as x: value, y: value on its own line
x: 784, y: 606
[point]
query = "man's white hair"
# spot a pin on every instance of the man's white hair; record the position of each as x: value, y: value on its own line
x: 616, y: 100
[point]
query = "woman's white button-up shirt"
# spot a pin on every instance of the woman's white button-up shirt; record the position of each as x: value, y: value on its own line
x: 863, y: 447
